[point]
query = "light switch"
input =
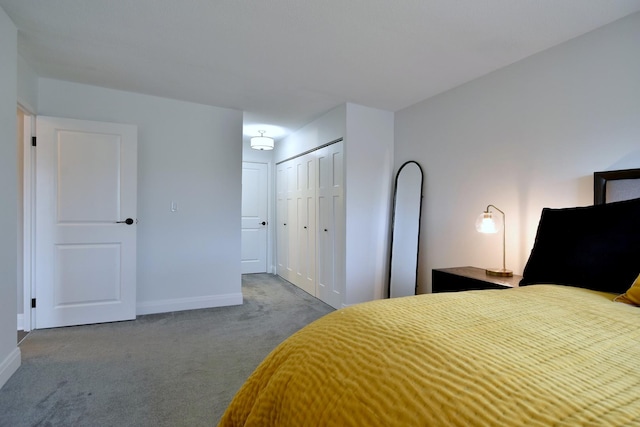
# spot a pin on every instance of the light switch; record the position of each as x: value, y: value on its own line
x: 174, y: 206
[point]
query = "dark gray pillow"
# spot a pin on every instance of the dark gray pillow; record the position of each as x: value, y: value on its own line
x: 594, y: 247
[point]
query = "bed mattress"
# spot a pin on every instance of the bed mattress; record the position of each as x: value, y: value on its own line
x: 536, y: 355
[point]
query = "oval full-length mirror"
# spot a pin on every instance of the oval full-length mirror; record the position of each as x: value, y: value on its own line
x: 405, y: 232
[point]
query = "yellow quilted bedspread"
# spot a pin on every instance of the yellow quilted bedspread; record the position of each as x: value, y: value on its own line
x: 538, y: 355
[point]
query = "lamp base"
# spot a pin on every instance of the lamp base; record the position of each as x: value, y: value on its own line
x: 500, y: 272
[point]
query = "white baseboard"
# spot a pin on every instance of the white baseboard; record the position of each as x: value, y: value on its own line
x: 180, y: 304
x: 9, y: 366
x: 21, y: 322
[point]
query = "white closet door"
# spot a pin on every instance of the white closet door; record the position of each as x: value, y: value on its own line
x: 282, y: 239
x: 281, y: 219
x: 305, y: 230
x: 296, y: 215
x: 331, y: 225
x: 311, y: 223
x: 291, y: 224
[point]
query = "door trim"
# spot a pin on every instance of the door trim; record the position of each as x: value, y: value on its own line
x: 28, y: 219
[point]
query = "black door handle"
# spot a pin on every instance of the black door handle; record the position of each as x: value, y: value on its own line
x: 263, y: 223
x: 127, y: 221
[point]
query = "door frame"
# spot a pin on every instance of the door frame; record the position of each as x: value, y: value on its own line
x: 27, y: 219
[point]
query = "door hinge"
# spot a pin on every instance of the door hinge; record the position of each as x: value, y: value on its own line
x: 33, y: 141
x: 33, y: 303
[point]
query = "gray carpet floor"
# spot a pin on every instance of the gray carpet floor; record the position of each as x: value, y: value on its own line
x: 173, y: 369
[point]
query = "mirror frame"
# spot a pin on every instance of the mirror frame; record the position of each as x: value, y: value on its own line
x: 393, y: 225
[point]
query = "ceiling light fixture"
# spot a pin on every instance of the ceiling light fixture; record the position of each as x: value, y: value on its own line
x: 262, y: 142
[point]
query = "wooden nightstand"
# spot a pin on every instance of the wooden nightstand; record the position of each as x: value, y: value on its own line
x: 469, y: 278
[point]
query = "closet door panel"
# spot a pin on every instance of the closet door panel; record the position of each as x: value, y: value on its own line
x: 282, y: 238
x: 308, y: 224
x: 297, y: 222
x: 299, y: 213
x: 292, y: 224
x: 325, y: 248
x: 331, y: 225
x: 285, y: 216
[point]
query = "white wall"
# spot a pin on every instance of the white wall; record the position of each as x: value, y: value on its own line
x: 188, y: 153
x: 368, y: 190
x: 522, y: 138
x: 326, y: 128
x: 27, y: 86
x: 9, y: 352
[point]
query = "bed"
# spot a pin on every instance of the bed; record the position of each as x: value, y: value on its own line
x: 561, y: 349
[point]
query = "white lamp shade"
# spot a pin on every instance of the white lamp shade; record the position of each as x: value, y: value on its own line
x: 488, y: 223
x: 262, y: 142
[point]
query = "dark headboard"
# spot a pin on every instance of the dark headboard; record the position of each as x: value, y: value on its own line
x: 615, y: 186
x: 594, y: 247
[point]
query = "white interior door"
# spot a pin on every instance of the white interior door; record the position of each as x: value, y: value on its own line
x: 254, y: 217
x: 85, y: 255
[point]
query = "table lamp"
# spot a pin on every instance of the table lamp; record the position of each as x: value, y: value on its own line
x: 486, y: 224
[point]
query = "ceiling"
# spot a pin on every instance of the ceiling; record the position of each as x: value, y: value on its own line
x: 285, y: 62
